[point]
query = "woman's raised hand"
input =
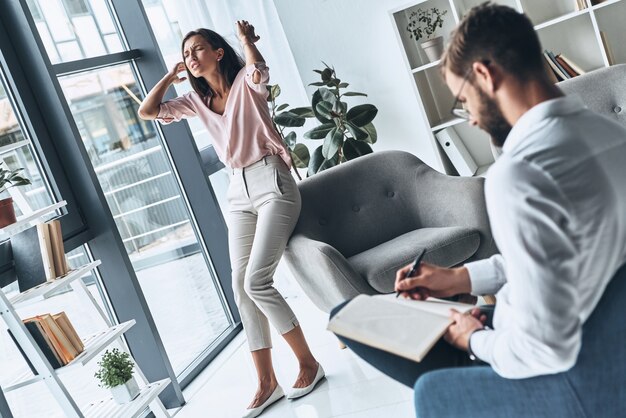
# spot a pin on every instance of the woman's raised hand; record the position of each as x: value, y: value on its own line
x: 245, y: 32
x: 173, y: 74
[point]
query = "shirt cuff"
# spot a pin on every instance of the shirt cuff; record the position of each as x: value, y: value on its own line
x: 483, y: 277
x: 482, y: 344
x: 163, y: 116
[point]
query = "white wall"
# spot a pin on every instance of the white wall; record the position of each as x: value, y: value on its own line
x: 357, y: 38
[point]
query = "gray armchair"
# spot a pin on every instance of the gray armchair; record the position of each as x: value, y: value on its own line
x: 364, y: 219
x: 601, y: 91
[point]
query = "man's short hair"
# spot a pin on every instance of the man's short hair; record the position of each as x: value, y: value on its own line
x: 498, y: 34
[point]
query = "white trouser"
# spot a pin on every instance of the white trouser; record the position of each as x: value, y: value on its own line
x: 264, y: 205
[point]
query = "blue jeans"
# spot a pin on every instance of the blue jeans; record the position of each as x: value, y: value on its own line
x: 447, y: 384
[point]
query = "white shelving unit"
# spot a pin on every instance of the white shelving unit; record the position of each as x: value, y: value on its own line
x: 26, y: 221
x: 560, y: 27
x: 94, y: 345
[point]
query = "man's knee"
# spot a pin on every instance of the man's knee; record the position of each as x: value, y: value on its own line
x: 425, y: 396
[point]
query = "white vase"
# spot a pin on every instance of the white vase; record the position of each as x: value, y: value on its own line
x: 126, y: 392
x: 433, y: 48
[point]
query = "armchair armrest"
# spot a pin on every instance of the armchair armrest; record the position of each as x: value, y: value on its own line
x: 323, y: 273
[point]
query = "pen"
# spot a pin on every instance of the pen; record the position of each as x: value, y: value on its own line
x: 414, y: 267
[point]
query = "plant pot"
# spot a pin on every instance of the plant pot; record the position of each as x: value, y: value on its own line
x: 126, y: 392
x: 433, y: 48
x: 7, y: 212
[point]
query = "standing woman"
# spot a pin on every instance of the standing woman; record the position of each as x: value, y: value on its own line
x: 264, y: 201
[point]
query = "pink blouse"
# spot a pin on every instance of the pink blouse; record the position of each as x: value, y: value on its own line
x: 244, y: 133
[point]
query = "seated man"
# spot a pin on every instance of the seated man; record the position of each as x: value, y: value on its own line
x: 556, y: 200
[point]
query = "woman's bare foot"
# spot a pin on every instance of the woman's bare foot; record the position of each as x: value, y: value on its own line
x: 306, y: 375
x: 263, y: 392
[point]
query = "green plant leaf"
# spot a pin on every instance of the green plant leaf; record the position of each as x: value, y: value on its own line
x: 343, y: 85
x: 319, y: 132
x: 290, y: 140
x: 289, y: 120
x: 282, y: 107
x: 357, y: 133
x: 328, y: 96
x: 305, y: 112
x: 332, y: 143
x: 324, y: 109
x: 353, y: 149
x: 372, y: 135
x: 274, y: 91
x: 327, y: 74
x: 317, y: 97
x: 353, y: 93
x: 319, y: 163
x: 300, y: 156
x: 361, y: 115
x: 317, y: 84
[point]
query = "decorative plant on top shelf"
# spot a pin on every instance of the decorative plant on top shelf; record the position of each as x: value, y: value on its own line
x: 347, y: 134
x: 8, y: 179
x: 424, y: 24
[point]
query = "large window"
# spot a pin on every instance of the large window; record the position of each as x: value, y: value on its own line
x: 75, y: 29
x: 149, y: 208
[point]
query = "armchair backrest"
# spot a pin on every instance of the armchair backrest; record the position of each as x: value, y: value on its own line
x: 603, y: 91
x: 373, y: 199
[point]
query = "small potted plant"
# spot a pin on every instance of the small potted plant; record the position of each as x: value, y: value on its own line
x: 8, y: 179
x: 116, y: 373
x: 422, y: 25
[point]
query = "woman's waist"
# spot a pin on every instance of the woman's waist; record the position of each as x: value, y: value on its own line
x: 264, y: 161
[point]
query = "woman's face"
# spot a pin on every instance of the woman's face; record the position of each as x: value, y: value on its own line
x: 200, y: 57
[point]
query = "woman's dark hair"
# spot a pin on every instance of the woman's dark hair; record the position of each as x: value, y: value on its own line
x: 229, y: 65
x: 497, y: 34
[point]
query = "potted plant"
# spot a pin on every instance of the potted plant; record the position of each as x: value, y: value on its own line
x: 422, y: 25
x: 116, y: 373
x: 347, y: 133
x: 8, y: 179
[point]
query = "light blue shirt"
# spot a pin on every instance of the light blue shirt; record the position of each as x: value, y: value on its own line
x: 556, y: 200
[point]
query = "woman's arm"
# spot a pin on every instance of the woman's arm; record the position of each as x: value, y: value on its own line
x: 149, y: 108
x: 247, y: 37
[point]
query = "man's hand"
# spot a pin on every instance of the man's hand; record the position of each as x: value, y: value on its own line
x: 459, y: 332
x: 432, y: 280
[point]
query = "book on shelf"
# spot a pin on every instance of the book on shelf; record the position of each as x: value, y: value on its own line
x: 456, y: 151
x: 407, y: 328
x: 581, y: 5
x: 572, y: 64
x: 64, y: 323
x: 43, y: 341
x: 560, y: 71
x: 32, y: 263
x: 58, y: 250
x: 39, y: 255
x: 569, y: 70
x: 56, y: 337
x: 607, y: 48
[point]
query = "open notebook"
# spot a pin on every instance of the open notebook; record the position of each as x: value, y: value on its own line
x: 408, y: 328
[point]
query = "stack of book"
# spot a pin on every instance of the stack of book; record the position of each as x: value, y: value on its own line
x: 56, y: 337
x: 39, y: 255
x: 562, y: 67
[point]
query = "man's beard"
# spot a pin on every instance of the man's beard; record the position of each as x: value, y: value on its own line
x: 492, y: 120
